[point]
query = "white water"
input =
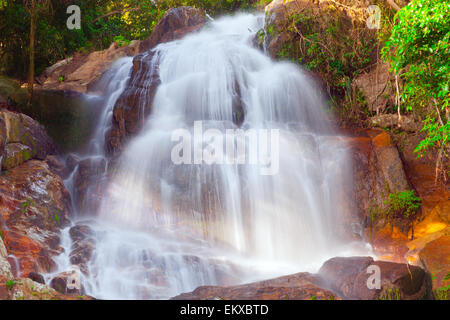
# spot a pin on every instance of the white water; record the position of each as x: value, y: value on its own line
x: 163, y: 229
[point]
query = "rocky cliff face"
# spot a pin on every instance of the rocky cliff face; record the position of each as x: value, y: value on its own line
x: 34, y: 206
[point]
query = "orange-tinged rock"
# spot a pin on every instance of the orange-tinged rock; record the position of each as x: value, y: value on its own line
x: 436, y: 259
x: 390, y: 244
x: 34, y: 205
x: 300, y: 286
x: 30, y: 254
x: 382, y: 140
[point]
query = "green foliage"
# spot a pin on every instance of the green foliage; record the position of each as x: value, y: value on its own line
x: 442, y: 293
x: 390, y: 294
x: 404, y: 204
x: 26, y: 205
x: 102, y: 23
x: 447, y: 277
x: 10, y: 284
x: 419, y: 52
x: 121, y: 41
x: 332, y: 45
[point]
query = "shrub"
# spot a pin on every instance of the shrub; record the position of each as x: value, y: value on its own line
x: 419, y: 52
x: 404, y: 204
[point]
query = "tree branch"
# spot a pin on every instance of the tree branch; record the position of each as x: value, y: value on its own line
x: 393, y: 5
x: 116, y: 12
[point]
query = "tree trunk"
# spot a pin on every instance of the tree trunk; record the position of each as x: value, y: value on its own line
x: 32, y: 41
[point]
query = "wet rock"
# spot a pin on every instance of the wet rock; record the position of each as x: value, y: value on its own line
x: 349, y: 277
x: 67, y: 282
x: 129, y: 113
x: 14, y: 155
x: 300, y: 286
x: 34, y: 206
x: 24, y: 130
x: 83, y: 245
x: 55, y: 165
x: 36, y: 277
x: 175, y: 24
x: 87, y: 183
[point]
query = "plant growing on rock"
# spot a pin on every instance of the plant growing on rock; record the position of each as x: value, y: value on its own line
x: 403, y: 205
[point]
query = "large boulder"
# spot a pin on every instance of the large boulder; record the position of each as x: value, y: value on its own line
x: 21, y: 129
x: 300, y: 286
x: 389, y: 162
x: 34, y: 206
x: 435, y: 257
x: 175, y: 24
x: 81, y: 72
x: 349, y: 277
x: 135, y: 104
x: 68, y: 282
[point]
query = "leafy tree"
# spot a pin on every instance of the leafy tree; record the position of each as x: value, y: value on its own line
x: 34, y: 8
x: 419, y: 53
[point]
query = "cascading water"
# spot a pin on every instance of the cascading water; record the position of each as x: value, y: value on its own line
x: 164, y: 228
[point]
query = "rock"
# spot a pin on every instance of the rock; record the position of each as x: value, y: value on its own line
x: 87, y: 183
x: 15, y: 154
x: 5, y: 267
x: 56, y: 166
x: 83, y: 244
x: 300, y: 286
x: 34, y: 206
x: 175, y: 24
x: 389, y: 163
x: 27, y: 289
x: 407, y: 122
x: 24, y: 130
x: 378, y: 89
x: 36, y: 277
x: 67, y: 282
x: 81, y: 72
x: 129, y: 113
x: 349, y: 277
x: 378, y: 170
x: 436, y: 259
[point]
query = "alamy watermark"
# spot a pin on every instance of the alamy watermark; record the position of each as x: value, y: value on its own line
x: 74, y: 20
x: 374, y: 280
x: 374, y: 20
x: 260, y: 147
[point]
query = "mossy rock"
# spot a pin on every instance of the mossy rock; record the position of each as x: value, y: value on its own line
x: 15, y: 154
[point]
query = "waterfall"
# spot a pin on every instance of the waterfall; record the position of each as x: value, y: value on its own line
x: 164, y: 228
